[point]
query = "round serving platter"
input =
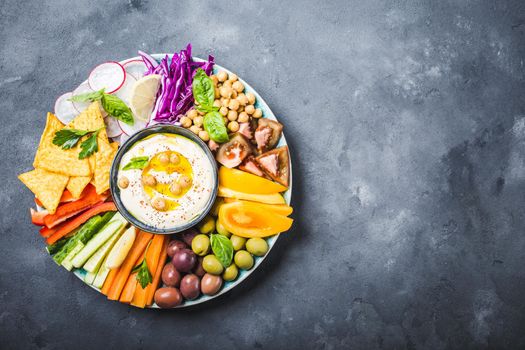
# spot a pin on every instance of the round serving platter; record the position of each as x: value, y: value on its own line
x: 243, y: 274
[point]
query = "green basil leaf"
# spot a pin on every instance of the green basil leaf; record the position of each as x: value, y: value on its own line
x: 117, y: 108
x: 137, y: 163
x: 68, y: 138
x: 203, y: 89
x: 222, y: 247
x: 89, y: 96
x: 214, y: 125
x: 143, y: 275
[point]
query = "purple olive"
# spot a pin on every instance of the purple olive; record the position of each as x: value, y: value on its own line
x: 175, y: 245
x: 167, y: 297
x: 184, y: 260
x: 187, y: 236
x: 199, y: 270
x: 170, y: 276
x: 190, y: 286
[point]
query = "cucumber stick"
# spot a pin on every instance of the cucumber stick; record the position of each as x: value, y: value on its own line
x: 98, y: 240
x: 93, y: 264
x: 68, y: 261
x: 90, y: 277
x: 102, y: 274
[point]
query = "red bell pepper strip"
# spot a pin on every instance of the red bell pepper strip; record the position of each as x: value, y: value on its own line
x: 75, y: 222
x: 37, y: 217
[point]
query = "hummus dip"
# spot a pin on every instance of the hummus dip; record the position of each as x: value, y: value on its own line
x: 165, y: 180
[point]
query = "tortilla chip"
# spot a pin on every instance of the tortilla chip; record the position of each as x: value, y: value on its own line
x: 46, y: 186
x: 77, y: 184
x: 103, y: 159
x: 55, y: 159
x: 90, y: 119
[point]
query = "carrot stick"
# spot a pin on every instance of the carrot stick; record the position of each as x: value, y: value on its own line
x: 109, y: 280
x: 137, y: 249
x: 150, y: 289
x: 152, y: 260
x: 131, y: 284
x: 70, y: 209
x: 79, y: 220
x: 129, y: 289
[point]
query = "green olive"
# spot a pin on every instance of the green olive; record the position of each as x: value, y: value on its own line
x: 230, y: 273
x: 237, y: 242
x: 212, y: 265
x: 243, y: 259
x: 200, y: 245
x: 221, y: 229
x: 207, y: 225
x: 257, y: 246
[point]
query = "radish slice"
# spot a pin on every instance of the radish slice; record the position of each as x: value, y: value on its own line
x: 82, y: 89
x: 124, y: 93
x: 112, y: 127
x: 109, y: 76
x: 131, y: 129
x: 64, y: 109
x: 136, y: 68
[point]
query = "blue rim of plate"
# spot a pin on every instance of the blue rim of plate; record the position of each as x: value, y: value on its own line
x: 243, y: 274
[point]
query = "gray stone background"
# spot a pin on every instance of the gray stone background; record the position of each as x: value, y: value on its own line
x: 406, y: 121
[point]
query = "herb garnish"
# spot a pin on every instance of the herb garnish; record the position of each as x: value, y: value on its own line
x: 204, y: 95
x: 137, y: 163
x: 68, y: 138
x: 143, y: 274
x: 222, y: 247
x: 113, y: 105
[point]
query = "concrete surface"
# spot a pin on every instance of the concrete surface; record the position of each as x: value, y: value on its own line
x: 406, y: 121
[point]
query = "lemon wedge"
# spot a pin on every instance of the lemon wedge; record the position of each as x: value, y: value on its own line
x: 143, y: 95
x: 121, y: 249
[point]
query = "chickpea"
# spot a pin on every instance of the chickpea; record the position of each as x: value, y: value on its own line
x: 195, y: 129
x: 232, y: 115
x: 233, y: 105
x: 217, y: 103
x: 257, y: 113
x: 222, y: 76
x: 243, y: 117
x: 200, y: 113
x: 175, y: 188
x: 159, y: 204
x: 204, y: 135
x: 185, y: 122
x: 198, y: 121
x: 225, y: 120
x: 164, y: 158
x: 149, y: 180
x: 249, y: 109
x: 234, y: 94
x: 251, y: 98
x: 174, y: 158
x: 223, y: 111
x: 243, y: 100
x: 225, y: 102
x: 217, y: 92
x: 233, y: 126
x: 123, y: 182
x: 192, y: 113
x: 238, y: 86
x: 185, y: 181
x: 227, y: 83
x: 226, y: 91
x: 214, y: 78
x: 241, y: 109
x: 233, y: 77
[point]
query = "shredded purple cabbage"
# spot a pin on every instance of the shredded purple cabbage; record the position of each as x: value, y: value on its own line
x: 175, y: 95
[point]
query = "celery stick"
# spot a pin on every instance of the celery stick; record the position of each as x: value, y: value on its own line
x: 90, y: 277
x: 68, y: 261
x: 102, y: 274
